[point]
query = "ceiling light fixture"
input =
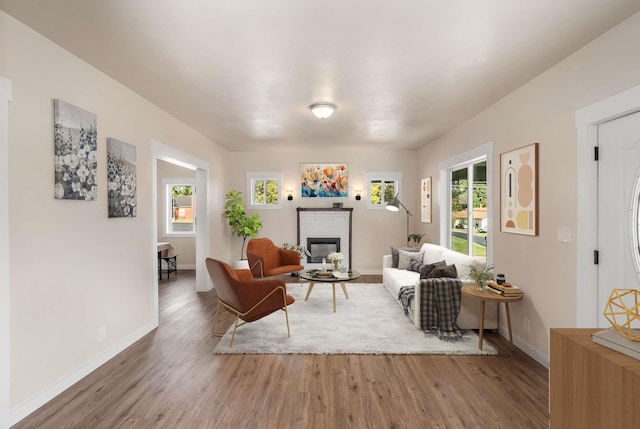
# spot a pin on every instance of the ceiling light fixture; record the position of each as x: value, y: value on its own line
x: 322, y: 110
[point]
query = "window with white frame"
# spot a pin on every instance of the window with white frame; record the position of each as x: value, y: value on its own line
x: 179, y: 207
x: 466, y: 217
x: 264, y: 190
x: 382, y: 188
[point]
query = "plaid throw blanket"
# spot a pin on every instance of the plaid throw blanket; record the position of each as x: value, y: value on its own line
x: 405, y: 296
x: 439, y: 306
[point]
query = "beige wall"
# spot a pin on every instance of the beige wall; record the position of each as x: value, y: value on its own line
x: 374, y: 231
x: 74, y: 270
x: 543, y: 111
x: 184, y: 247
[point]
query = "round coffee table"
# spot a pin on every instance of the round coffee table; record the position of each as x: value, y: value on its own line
x: 316, y: 276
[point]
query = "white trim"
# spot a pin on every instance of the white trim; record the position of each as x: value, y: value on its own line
x: 42, y: 398
x: 587, y: 120
x: 536, y: 354
x: 5, y: 287
x: 175, y: 156
x: 166, y: 207
x: 484, y: 151
x: 396, y: 176
x: 277, y: 176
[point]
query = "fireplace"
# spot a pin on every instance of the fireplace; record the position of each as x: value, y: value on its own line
x: 321, y: 247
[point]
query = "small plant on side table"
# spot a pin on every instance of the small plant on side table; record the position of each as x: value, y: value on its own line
x: 481, y: 274
x: 415, y: 238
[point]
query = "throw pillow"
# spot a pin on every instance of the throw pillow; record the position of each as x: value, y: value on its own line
x: 445, y: 271
x: 416, y: 266
x: 427, y: 268
x: 394, y: 254
x: 405, y: 258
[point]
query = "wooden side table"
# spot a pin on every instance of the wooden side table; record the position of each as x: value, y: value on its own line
x: 484, y: 296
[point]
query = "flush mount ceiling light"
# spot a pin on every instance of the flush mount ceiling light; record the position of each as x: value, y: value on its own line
x: 322, y: 110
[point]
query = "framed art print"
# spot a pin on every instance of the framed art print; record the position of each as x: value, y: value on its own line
x: 425, y: 200
x: 324, y: 180
x: 75, y: 152
x: 519, y: 190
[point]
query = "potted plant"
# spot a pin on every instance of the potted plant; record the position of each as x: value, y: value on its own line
x: 481, y: 274
x: 415, y: 238
x: 302, y: 250
x: 241, y: 225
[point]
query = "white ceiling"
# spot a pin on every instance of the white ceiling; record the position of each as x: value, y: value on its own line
x: 243, y: 73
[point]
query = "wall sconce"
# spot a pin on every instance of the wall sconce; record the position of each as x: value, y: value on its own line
x: 289, y: 194
x: 358, y: 194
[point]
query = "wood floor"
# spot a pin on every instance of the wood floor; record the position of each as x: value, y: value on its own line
x: 170, y: 379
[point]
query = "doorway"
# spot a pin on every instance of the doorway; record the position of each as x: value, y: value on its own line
x: 589, y: 120
x: 169, y: 154
x: 618, y: 184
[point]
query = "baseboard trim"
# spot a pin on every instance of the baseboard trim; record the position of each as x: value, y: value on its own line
x: 535, y: 354
x: 38, y: 401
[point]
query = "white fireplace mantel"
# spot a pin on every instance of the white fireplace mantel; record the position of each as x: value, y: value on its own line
x: 326, y: 222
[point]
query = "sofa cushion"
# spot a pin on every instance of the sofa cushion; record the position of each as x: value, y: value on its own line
x: 395, y: 256
x: 443, y: 271
x: 405, y: 258
x: 432, y: 253
x: 427, y: 268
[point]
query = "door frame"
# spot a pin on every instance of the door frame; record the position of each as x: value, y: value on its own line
x: 5, y: 287
x: 587, y: 121
x: 160, y: 151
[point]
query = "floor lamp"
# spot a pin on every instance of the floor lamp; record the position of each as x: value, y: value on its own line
x: 394, y: 206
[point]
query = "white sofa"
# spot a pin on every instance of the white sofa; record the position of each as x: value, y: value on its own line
x: 469, y: 317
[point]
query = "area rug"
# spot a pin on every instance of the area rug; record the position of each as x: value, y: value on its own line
x: 369, y: 322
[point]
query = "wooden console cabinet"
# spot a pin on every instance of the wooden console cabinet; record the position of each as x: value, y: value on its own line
x: 591, y: 386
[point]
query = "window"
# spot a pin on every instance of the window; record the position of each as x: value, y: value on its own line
x: 179, y: 203
x: 466, y: 216
x: 381, y: 188
x: 264, y: 190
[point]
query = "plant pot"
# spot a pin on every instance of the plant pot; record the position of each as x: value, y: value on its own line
x: 241, y: 264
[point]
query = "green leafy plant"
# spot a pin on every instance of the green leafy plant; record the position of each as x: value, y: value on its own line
x: 241, y: 225
x: 302, y: 250
x: 481, y: 273
x: 415, y: 238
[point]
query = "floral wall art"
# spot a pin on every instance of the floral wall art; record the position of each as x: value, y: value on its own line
x: 75, y: 159
x: 425, y: 200
x: 324, y: 180
x: 122, y: 180
x: 519, y: 190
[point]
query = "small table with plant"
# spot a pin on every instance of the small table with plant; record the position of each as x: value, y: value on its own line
x: 485, y: 295
x: 329, y: 277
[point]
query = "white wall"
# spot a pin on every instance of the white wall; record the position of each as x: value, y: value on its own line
x: 543, y: 111
x: 184, y: 247
x: 74, y: 270
x: 374, y: 231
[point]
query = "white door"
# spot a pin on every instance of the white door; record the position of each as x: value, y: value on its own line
x: 618, y: 188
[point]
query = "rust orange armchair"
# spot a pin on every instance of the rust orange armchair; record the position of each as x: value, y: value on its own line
x: 265, y: 259
x: 244, y: 297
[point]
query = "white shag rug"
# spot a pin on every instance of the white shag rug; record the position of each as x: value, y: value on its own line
x: 369, y: 322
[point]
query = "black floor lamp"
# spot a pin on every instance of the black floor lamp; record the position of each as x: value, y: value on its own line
x: 394, y: 206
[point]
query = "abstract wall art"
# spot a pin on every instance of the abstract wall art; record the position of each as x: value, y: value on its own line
x: 519, y: 190
x: 75, y: 159
x: 425, y: 200
x: 122, y: 179
x: 324, y: 180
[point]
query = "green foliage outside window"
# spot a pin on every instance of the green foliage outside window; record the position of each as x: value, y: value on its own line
x: 376, y: 193
x: 265, y: 192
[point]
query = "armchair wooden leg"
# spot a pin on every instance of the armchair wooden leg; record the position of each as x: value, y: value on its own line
x: 215, y: 320
x: 286, y: 312
x: 235, y: 326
